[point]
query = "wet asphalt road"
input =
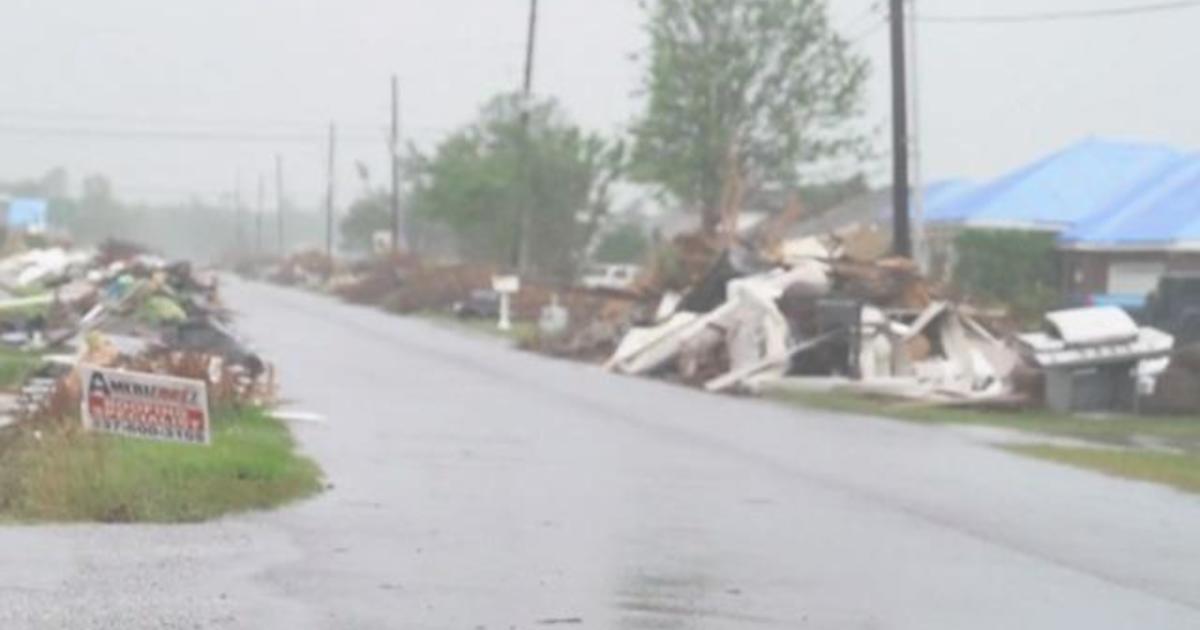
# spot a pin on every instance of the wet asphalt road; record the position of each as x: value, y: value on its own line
x: 477, y: 487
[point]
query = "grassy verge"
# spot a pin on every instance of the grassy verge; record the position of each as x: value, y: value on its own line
x: 520, y: 332
x: 1181, y: 471
x: 1160, y: 449
x: 15, y: 367
x: 66, y: 474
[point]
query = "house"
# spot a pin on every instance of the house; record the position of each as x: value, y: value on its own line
x: 1118, y: 254
x: 1059, y: 191
x: 1057, y: 194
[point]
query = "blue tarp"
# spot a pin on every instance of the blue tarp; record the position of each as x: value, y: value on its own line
x: 1161, y: 211
x: 27, y: 213
x: 943, y: 194
x: 1059, y: 191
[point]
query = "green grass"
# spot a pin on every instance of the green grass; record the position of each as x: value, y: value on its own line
x: 1179, y: 432
x: 1151, y: 448
x: 15, y: 367
x: 1181, y: 471
x: 69, y: 475
x: 520, y: 332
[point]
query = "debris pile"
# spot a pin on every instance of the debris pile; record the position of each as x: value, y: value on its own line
x: 771, y: 310
x: 435, y: 288
x: 119, y: 306
x: 809, y: 310
x: 310, y: 269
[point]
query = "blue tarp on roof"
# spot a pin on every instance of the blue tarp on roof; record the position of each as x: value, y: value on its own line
x: 1162, y: 211
x: 1059, y: 191
x: 943, y: 194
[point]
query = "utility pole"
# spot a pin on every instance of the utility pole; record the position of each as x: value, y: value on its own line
x: 238, y: 217
x: 258, y: 216
x: 279, y: 202
x: 330, y: 190
x: 530, y: 47
x: 525, y: 218
x: 901, y: 230
x: 395, y: 148
x: 920, y: 243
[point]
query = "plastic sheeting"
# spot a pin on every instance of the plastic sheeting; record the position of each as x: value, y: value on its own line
x: 1062, y: 190
x: 1163, y: 212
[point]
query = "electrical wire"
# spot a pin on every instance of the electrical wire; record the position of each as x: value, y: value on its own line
x: 58, y: 116
x: 1062, y: 16
x: 173, y: 134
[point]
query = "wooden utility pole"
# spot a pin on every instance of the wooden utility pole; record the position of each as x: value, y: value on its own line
x: 901, y: 229
x: 279, y: 202
x: 238, y: 216
x: 258, y: 216
x: 526, y: 216
x: 395, y: 149
x: 530, y: 46
x: 330, y: 190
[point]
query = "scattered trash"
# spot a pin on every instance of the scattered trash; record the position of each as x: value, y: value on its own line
x: 120, y: 307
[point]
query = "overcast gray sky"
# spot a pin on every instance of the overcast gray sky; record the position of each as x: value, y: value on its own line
x: 175, y: 97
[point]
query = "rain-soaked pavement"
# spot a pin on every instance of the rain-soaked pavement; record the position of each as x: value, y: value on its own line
x: 477, y: 487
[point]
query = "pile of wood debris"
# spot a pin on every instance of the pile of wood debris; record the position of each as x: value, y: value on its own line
x: 805, y: 307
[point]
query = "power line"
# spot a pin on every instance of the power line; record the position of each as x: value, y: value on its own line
x: 173, y: 134
x: 1061, y: 16
x: 394, y: 154
x: 59, y: 116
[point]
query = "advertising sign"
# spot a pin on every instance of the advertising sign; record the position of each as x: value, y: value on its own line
x: 147, y: 406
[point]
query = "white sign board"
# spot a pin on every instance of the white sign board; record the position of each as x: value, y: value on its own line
x: 506, y: 284
x: 148, y: 406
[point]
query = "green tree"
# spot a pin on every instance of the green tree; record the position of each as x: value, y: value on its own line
x: 480, y: 180
x: 1009, y: 267
x: 365, y: 217
x: 745, y: 91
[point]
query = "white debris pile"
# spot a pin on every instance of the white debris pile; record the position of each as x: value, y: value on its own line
x: 813, y: 314
x: 40, y: 266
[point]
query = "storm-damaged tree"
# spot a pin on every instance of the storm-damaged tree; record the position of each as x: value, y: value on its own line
x: 744, y: 95
x: 479, y: 179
